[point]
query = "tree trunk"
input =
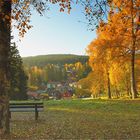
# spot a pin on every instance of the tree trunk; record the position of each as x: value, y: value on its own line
x: 133, y: 50
x: 117, y: 92
x: 5, y: 6
x: 133, y: 81
x: 108, y: 86
x: 127, y: 87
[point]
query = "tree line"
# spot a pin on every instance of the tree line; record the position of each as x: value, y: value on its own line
x: 118, y: 84
x: 39, y: 76
x: 57, y: 59
x: 114, y: 54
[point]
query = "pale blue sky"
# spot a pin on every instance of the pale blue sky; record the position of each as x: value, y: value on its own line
x: 56, y: 33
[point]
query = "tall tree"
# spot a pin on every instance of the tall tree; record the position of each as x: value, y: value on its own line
x: 101, y: 60
x: 125, y: 16
x: 18, y: 78
x: 5, y: 14
x: 21, y: 12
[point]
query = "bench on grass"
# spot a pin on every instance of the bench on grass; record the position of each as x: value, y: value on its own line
x: 26, y: 107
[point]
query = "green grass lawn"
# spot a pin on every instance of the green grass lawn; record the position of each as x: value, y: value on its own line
x: 80, y: 119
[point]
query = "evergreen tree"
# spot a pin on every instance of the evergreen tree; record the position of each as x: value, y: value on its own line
x: 18, y: 87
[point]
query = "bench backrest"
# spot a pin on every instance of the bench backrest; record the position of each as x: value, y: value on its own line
x: 26, y: 107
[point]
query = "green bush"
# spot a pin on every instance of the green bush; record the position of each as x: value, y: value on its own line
x: 82, y: 93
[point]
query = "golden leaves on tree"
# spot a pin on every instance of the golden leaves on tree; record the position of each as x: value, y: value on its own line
x: 111, y: 51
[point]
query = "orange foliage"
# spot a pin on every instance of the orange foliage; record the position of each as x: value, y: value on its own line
x: 111, y: 50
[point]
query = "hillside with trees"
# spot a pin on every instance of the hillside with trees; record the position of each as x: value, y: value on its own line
x: 56, y: 68
x: 59, y: 59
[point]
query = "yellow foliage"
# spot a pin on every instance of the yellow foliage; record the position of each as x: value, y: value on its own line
x: 111, y: 51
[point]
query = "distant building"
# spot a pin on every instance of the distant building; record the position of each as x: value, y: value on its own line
x: 51, y: 85
x: 32, y: 95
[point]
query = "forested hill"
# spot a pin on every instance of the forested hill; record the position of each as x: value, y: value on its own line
x: 60, y: 59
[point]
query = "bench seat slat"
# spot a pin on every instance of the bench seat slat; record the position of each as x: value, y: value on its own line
x: 26, y: 103
x: 25, y: 106
x: 25, y: 110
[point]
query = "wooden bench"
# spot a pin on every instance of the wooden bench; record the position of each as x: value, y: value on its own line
x: 26, y: 107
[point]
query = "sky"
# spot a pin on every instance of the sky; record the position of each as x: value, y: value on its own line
x: 56, y: 33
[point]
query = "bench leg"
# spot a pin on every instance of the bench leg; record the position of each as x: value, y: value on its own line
x: 36, y: 115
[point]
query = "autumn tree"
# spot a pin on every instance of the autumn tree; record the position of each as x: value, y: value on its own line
x: 129, y: 18
x: 101, y: 60
x: 123, y: 17
x: 5, y: 14
x: 120, y: 79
